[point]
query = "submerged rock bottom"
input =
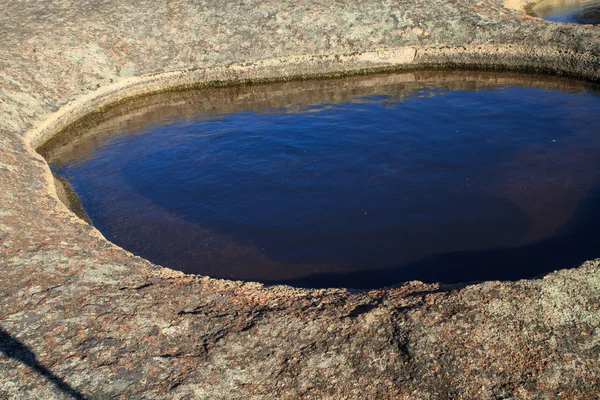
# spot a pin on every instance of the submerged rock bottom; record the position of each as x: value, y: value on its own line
x: 361, y: 182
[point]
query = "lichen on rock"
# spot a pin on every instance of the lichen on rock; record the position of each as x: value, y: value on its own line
x: 83, y: 318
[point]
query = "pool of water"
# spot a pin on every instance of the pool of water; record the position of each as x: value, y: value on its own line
x: 575, y: 11
x: 361, y: 182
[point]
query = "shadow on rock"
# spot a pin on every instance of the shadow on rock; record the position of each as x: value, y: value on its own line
x: 13, y: 348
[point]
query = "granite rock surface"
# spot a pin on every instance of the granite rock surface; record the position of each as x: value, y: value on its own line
x: 82, y: 318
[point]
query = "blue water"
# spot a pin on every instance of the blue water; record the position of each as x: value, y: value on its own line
x: 573, y: 11
x: 434, y: 184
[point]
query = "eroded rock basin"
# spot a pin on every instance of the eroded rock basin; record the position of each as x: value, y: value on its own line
x: 82, y: 317
x: 362, y: 182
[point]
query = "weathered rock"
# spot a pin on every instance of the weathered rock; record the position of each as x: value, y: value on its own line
x: 81, y: 317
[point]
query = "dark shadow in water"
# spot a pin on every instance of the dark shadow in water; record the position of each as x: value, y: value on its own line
x: 565, y: 249
x: 13, y: 348
x: 588, y: 17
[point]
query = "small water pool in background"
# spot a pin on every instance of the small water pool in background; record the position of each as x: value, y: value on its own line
x: 574, y: 11
x: 362, y: 182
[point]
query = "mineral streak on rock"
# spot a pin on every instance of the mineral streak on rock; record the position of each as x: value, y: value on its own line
x: 83, y: 318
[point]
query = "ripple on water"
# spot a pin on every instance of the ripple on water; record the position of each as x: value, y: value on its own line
x: 362, y: 182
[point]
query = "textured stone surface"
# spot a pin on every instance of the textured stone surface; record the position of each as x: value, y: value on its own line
x: 81, y: 317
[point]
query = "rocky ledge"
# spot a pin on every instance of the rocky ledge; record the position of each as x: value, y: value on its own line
x: 82, y: 318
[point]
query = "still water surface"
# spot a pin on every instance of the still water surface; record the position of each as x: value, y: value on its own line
x: 363, y: 182
x: 574, y: 11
